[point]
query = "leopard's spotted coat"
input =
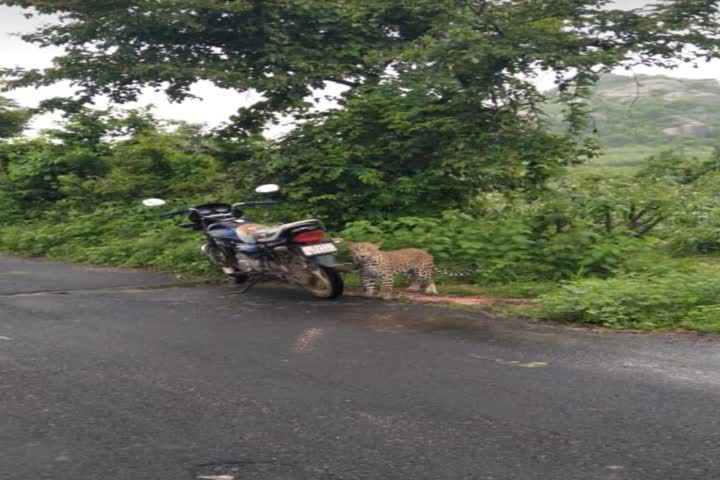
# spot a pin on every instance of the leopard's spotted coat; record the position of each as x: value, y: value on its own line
x: 373, y: 264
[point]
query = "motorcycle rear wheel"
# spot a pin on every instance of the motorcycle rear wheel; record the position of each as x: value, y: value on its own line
x: 325, y: 283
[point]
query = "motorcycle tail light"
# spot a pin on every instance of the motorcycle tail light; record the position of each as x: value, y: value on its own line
x: 309, y: 236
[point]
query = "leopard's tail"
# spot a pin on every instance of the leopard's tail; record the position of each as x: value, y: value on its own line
x: 464, y: 273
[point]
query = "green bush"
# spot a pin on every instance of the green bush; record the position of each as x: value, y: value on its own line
x: 693, y: 228
x: 507, y: 248
x: 705, y: 318
x: 117, y: 235
x: 645, y: 301
x: 695, y: 232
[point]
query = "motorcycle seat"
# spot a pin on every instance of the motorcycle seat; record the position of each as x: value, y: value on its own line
x: 257, y: 233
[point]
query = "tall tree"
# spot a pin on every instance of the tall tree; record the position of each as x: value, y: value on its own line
x: 286, y: 48
x: 396, y: 151
x: 440, y: 102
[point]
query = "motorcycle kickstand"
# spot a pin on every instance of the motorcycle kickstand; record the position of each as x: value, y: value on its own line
x: 249, y: 283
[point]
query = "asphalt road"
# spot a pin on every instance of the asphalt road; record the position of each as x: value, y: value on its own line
x: 125, y: 375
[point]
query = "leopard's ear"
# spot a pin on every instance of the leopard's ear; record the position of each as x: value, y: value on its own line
x: 379, y: 244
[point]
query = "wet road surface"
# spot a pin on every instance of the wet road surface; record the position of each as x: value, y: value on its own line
x: 127, y: 375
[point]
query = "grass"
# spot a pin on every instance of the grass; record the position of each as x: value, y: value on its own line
x: 509, y: 290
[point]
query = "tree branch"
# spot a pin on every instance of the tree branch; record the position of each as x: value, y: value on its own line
x: 342, y: 81
x: 649, y: 226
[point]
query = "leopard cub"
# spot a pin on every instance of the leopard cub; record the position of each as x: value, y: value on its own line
x: 412, y: 263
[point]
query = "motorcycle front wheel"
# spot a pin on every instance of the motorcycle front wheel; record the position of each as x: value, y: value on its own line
x: 325, y: 283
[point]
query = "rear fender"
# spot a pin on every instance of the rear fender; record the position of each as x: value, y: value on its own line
x: 325, y: 260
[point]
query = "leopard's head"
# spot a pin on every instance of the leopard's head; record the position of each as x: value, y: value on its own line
x: 363, y: 251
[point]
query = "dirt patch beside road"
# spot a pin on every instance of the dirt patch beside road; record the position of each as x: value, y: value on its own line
x: 467, y: 300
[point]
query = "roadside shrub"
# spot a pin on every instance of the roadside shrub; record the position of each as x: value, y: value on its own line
x: 691, y: 217
x: 705, y: 318
x: 695, y: 232
x: 118, y: 235
x: 694, y: 227
x: 646, y: 301
x: 506, y: 248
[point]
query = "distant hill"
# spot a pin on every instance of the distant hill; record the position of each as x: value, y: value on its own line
x: 654, y: 112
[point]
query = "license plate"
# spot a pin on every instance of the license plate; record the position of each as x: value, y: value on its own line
x: 319, y: 249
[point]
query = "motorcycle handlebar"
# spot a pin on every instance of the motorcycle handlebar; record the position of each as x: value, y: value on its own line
x: 173, y: 213
x: 240, y: 204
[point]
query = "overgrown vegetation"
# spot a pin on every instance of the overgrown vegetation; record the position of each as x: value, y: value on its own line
x: 674, y: 299
x: 75, y: 192
x: 438, y: 141
x: 673, y: 285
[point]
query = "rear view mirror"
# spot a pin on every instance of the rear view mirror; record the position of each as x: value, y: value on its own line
x: 269, y: 188
x: 153, y: 202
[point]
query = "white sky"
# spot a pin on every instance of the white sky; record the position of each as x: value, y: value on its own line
x: 216, y: 105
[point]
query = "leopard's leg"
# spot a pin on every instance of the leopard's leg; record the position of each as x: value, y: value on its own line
x: 414, y: 286
x: 386, y: 285
x: 430, y: 289
x: 414, y: 280
x: 427, y: 283
x: 368, y: 282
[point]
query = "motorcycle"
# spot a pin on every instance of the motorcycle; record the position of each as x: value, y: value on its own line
x: 296, y: 253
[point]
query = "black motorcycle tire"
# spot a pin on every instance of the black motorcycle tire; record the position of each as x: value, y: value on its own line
x: 335, y: 281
